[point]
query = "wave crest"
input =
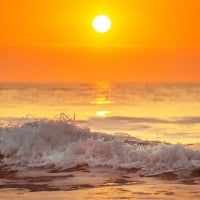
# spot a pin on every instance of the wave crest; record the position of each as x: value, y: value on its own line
x: 62, y: 144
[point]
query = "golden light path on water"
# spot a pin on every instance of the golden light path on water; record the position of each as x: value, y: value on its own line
x: 106, y: 101
x: 146, y: 111
x: 102, y: 97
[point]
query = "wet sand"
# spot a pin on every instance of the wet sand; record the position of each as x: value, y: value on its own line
x: 149, y: 190
x: 82, y: 183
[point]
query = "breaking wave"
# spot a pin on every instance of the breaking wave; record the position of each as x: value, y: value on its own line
x: 60, y: 144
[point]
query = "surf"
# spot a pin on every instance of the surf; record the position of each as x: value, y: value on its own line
x: 61, y: 144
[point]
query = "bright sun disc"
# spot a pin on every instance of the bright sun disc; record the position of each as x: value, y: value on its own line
x: 101, y: 23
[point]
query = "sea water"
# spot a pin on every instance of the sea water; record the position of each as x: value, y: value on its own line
x: 77, y: 136
x: 164, y: 112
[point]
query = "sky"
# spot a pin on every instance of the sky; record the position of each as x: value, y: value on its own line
x: 54, y: 41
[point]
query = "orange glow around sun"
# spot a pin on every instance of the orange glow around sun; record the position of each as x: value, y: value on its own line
x: 54, y: 41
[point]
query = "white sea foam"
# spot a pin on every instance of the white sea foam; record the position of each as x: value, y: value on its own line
x: 61, y: 144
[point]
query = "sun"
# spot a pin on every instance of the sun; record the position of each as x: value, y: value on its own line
x: 101, y: 23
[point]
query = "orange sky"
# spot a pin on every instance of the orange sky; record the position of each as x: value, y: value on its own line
x: 53, y: 40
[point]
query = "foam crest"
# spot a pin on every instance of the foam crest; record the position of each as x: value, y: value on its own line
x: 61, y: 144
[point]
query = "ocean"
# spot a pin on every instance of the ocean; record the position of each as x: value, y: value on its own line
x: 99, y: 141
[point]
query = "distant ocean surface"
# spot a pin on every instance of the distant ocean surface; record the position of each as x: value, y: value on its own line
x: 72, y: 136
x: 164, y: 112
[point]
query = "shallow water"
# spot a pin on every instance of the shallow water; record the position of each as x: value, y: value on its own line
x: 150, y: 190
x: 99, y: 141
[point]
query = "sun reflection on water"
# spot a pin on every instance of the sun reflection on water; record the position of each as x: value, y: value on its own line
x: 102, y: 93
x: 103, y: 113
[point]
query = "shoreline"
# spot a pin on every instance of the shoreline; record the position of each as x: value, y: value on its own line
x: 83, y: 177
x: 149, y: 190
